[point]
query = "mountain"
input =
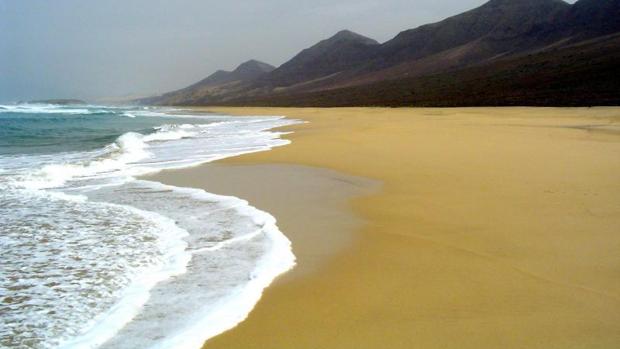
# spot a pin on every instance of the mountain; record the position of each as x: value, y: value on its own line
x: 582, y: 74
x: 594, y: 17
x: 247, y: 71
x: 452, y: 62
x: 215, y: 83
x: 341, y: 52
x: 497, y: 27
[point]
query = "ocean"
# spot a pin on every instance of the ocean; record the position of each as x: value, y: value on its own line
x: 95, y: 257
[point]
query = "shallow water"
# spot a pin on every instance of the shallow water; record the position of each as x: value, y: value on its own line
x: 91, y: 255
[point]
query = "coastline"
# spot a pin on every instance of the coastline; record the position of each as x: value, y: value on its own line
x: 494, y: 227
x: 310, y: 204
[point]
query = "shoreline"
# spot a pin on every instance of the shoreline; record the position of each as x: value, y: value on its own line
x: 494, y: 227
x: 320, y: 203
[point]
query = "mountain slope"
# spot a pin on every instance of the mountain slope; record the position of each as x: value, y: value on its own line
x: 581, y: 74
x: 494, y: 30
x: 343, y: 51
x: 492, y: 40
x: 594, y: 17
x: 247, y: 71
x: 501, y: 23
x: 215, y: 83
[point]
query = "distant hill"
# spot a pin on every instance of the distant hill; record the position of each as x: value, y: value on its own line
x: 219, y: 82
x: 245, y: 72
x: 505, y: 52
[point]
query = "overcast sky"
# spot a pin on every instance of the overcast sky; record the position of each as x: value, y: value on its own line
x: 90, y: 49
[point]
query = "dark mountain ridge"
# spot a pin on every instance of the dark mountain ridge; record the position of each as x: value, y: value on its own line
x: 594, y: 17
x: 338, y: 53
x: 247, y: 71
x: 498, y: 22
x: 218, y: 82
x: 492, y: 39
x: 587, y: 76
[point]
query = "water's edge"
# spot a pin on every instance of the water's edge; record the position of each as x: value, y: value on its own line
x: 205, y: 323
x: 98, y: 257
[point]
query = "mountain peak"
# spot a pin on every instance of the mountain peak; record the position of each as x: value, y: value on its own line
x: 496, y: 40
x: 338, y: 53
x: 253, y: 66
x: 247, y: 71
x: 352, y: 36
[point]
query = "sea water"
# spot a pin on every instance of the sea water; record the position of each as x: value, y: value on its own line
x: 94, y: 257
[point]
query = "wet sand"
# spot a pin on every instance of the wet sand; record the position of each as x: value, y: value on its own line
x: 311, y: 204
x: 493, y: 228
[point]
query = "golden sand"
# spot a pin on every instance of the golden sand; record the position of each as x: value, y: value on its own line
x: 495, y: 228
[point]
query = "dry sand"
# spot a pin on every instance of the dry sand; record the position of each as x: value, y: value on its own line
x: 494, y: 228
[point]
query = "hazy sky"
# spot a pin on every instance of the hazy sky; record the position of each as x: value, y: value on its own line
x: 104, y: 48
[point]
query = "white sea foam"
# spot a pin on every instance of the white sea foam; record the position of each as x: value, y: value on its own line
x: 74, y: 272
x: 247, y: 255
x: 174, y: 267
x: 175, y: 256
x: 45, y: 109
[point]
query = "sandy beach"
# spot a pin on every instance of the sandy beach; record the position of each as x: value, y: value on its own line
x: 435, y: 228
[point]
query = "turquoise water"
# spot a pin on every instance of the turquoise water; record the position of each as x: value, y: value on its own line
x: 45, y: 129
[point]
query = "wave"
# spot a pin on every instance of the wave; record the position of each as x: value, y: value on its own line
x: 43, y: 109
x: 67, y: 109
x: 220, y: 251
x: 116, y: 158
x: 211, y: 303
